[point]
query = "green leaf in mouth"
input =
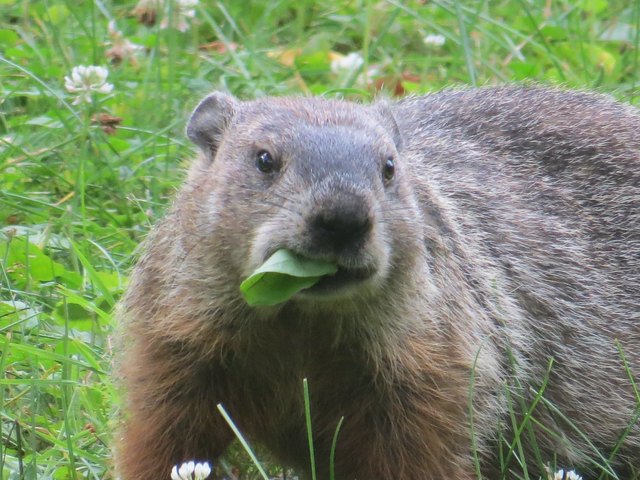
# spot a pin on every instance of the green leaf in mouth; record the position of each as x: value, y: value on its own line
x: 281, y: 276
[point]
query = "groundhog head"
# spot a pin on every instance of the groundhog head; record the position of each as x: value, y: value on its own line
x: 324, y: 179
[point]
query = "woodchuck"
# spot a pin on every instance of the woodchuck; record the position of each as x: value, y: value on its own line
x: 478, y: 234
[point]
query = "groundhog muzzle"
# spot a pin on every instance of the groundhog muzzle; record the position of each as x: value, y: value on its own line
x: 487, y: 245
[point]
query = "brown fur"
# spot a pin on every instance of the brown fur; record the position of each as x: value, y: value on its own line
x: 509, y: 235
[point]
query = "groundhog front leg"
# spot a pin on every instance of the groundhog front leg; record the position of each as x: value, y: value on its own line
x: 402, y: 453
x: 154, y: 442
x: 171, y: 418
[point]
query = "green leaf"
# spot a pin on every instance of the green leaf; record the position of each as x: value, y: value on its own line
x: 119, y: 145
x: 8, y: 37
x: 58, y: 14
x: 524, y: 70
x: 593, y: 6
x: 24, y: 257
x: 601, y: 58
x: 552, y: 32
x: 281, y: 276
x: 15, y: 312
x: 317, y: 62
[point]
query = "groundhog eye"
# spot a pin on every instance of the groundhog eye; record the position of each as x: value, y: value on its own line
x: 389, y: 169
x: 265, y: 162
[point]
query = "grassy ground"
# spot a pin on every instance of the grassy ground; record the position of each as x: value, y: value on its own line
x: 80, y: 184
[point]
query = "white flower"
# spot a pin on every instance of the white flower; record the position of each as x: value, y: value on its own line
x: 349, y: 62
x: 86, y: 80
x: 191, y: 471
x: 570, y: 475
x: 202, y: 470
x: 182, y: 11
x: 435, y: 40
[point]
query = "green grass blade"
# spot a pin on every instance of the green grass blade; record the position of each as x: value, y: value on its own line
x: 334, y: 443
x: 243, y: 441
x: 307, y: 415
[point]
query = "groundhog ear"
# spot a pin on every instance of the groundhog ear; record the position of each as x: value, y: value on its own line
x: 210, y: 119
x: 389, y: 121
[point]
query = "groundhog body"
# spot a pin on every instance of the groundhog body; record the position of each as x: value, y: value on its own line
x: 478, y: 235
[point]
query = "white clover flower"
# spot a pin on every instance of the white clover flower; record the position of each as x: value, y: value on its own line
x: 182, y: 11
x: 349, y: 62
x: 191, y: 471
x: 435, y: 40
x: 86, y: 80
x: 570, y: 475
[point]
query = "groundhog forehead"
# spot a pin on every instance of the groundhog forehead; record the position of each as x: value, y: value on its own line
x: 317, y: 111
x: 294, y: 127
x: 284, y: 114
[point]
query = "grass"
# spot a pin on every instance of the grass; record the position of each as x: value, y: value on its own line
x: 76, y: 199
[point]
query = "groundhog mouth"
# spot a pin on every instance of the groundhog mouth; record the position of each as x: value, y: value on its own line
x: 343, y: 279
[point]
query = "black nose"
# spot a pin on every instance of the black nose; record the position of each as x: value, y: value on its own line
x: 340, y: 226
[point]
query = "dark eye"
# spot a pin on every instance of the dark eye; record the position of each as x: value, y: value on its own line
x: 265, y: 162
x: 389, y: 169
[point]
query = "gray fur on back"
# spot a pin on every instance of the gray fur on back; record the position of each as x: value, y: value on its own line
x: 536, y: 193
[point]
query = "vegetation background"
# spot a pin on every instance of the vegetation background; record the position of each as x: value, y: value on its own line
x: 81, y: 183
